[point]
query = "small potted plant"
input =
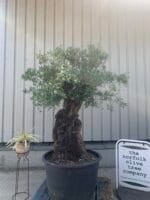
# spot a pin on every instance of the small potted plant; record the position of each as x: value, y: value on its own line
x: 72, y: 77
x: 21, y: 143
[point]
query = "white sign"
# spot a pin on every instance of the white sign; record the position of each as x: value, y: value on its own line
x: 133, y: 164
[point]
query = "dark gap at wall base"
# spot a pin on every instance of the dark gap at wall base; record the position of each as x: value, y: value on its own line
x: 41, y: 146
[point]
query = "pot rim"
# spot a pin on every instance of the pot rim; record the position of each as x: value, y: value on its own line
x: 80, y: 165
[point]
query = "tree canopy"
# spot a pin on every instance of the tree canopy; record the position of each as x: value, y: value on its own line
x: 74, y: 74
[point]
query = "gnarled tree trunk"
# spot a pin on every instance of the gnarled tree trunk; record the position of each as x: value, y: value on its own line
x: 68, y: 142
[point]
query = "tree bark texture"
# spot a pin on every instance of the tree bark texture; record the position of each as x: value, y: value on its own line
x: 68, y: 142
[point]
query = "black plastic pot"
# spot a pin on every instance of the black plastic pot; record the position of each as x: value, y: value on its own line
x: 71, y: 182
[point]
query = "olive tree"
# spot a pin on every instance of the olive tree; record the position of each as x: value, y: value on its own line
x: 73, y: 77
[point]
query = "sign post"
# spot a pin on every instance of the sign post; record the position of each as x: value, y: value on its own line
x: 133, y: 165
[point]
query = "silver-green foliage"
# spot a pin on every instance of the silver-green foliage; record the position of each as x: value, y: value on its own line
x: 23, y: 137
x: 75, y: 74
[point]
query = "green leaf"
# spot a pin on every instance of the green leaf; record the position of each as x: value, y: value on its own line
x: 74, y: 73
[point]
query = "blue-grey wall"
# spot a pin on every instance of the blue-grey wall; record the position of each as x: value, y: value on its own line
x: 120, y: 27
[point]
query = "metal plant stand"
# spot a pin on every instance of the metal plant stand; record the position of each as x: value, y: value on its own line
x: 24, y: 158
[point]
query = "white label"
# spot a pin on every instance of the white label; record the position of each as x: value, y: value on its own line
x: 133, y: 163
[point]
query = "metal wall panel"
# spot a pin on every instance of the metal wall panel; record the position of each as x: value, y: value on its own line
x: 3, y: 19
x: 121, y: 28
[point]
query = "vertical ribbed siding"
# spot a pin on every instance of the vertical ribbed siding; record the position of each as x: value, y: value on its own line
x: 35, y: 41
x: 105, y: 45
x: 9, y: 70
x: 91, y: 41
x: 121, y: 29
x: 127, y: 70
x: 54, y: 44
x: 24, y: 60
x: 4, y: 5
x: 145, y: 78
x: 14, y: 72
x: 118, y: 67
x: 147, y: 62
x: 39, y: 48
x: 49, y: 44
x: 28, y: 60
x: 45, y: 20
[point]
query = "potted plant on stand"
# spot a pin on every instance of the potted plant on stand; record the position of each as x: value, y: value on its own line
x: 74, y: 77
x: 21, y: 143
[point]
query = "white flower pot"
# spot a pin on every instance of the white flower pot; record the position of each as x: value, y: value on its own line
x: 22, y: 148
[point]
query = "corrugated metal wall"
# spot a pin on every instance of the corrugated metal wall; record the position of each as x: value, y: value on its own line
x: 123, y: 30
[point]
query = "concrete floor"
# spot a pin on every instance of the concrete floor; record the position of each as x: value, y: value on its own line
x: 7, y: 183
x: 37, y: 176
x: 8, y: 161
